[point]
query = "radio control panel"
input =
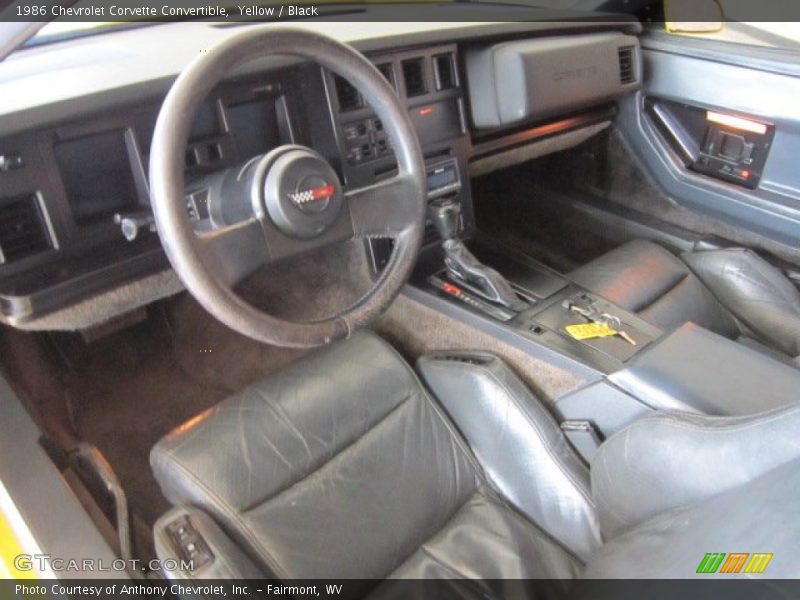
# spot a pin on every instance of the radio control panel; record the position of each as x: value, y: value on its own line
x: 442, y: 178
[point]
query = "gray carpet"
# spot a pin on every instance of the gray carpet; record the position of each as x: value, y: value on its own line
x: 414, y: 329
x: 127, y: 393
x: 608, y: 171
x: 511, y: 206
x: 131, y: 388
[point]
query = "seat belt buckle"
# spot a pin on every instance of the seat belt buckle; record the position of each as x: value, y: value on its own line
x: 583, y: 437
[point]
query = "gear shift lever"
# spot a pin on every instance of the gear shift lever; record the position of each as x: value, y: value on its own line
x: 445, y: 213
x: 462, y: 265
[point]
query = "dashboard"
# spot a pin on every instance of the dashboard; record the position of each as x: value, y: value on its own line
x: 75, y: 218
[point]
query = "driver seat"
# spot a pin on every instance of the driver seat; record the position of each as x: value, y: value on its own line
x: 343, y: 466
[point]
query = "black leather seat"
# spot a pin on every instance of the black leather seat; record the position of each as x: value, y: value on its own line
x: 731, y: 291
x: 343, y: 466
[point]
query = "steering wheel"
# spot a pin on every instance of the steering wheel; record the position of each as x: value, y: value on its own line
x: 288, y: 200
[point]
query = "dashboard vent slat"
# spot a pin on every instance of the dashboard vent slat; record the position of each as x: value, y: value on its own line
x: 627, y: 73
x: 414, y: 77
x: 445, y: 71
x: 387, y: 71
x: 22, y: 229
x: 348, y: 96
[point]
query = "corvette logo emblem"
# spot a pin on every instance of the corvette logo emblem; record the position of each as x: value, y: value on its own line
x: 322, y: 192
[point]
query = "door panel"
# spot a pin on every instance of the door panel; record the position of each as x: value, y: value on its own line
x: 762, y: 90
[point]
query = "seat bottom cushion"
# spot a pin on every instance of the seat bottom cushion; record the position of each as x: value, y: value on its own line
x: 646, y: 279
x: 762, y: 298
x: 485, y: 539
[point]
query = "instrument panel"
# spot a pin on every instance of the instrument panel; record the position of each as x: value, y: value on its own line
x: 75, y: 218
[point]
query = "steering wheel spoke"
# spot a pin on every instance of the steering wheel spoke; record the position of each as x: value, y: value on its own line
x: 235, y: 251
x: 383, y: 209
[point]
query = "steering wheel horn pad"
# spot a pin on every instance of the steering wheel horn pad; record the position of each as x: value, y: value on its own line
x: 302, y: 193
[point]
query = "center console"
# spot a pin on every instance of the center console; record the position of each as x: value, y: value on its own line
x: 678, y: 373
x: 550, y: 318
x: 428, y: 84
x: 628, y: 376
x: 549, y: 306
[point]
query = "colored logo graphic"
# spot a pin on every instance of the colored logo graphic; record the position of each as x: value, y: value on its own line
x: 322, y: 192
x: 735, y: 562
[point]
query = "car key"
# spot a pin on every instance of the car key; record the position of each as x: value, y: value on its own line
x: 616, y: 323
x: 609, y: 319
x: 625, y: 336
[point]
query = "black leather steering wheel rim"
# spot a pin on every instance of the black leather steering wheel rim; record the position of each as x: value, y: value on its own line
x: 167, y: 184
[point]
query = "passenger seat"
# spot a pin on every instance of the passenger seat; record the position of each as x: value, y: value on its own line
x: 731, y: 291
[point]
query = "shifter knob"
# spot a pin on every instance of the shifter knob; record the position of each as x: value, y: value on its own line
x: 444, y: 212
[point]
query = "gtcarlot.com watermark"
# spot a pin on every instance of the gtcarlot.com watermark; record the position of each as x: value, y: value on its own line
x: 45, y: 562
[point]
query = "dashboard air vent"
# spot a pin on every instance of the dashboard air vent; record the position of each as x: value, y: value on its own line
x: 445, y: 73
x: 627, y: 73
x: 22, y: 230
x: 414, y: 77
x: 348, y: 96
x: 388, y: 72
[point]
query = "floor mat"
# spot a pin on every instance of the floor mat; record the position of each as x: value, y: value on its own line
x: 124, y: 397
x: 128, y: 390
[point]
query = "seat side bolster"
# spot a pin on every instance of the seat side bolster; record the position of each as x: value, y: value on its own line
x: 673, y: 459
x: 187, y: 492
x: 227, y: 561
x: 518, y: 444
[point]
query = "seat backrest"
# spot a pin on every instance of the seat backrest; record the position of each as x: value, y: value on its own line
x: 676, y: 459
x: 682, y: 495
x: 340, y: 466
x: 749, y: 530
x: 647, y: 279
x: 521, y: 448
x: 758, y: 294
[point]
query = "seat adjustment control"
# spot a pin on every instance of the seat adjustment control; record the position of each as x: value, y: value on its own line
x: 190, y: 544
